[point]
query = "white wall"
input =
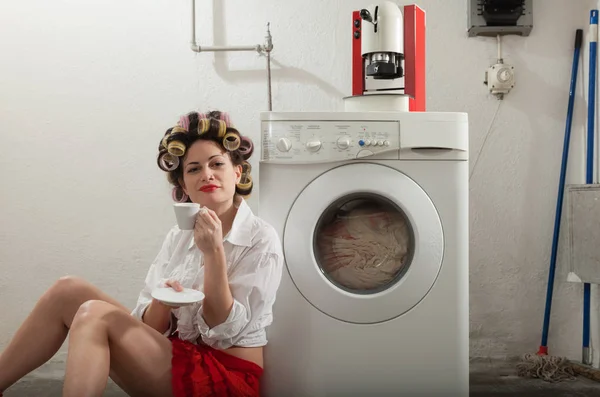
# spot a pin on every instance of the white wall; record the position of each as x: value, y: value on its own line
x: 88, y: 88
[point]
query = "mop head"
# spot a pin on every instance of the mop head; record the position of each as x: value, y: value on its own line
x: 547, y: 368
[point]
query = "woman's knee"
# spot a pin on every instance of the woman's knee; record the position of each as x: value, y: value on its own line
x: 69, y: 286
x: 92, y: 311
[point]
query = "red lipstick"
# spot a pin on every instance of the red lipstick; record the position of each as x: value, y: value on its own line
x: 208, y: 188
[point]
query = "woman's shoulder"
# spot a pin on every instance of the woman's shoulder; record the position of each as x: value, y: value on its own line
x: 265, y: 235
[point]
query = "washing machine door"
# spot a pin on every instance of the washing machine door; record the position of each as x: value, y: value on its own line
x: 363, y: 243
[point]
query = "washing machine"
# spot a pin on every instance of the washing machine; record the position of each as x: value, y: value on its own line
x: 372, y: 209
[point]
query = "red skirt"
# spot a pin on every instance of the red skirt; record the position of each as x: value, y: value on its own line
x: 201, y: 371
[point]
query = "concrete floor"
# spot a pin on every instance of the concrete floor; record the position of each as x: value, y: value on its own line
x: 496, y: 379
x: 487, y: 380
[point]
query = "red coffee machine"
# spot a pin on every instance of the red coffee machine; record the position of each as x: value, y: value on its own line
x: 388, y: 49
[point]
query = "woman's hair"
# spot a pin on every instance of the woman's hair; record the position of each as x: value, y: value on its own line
x: 213, y: 126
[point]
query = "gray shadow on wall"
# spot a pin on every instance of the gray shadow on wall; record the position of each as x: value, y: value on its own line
x: 279, y: 71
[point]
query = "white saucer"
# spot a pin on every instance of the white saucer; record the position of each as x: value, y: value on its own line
x: 170, y: 297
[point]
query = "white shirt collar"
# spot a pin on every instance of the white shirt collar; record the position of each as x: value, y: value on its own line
x: 241, y: 228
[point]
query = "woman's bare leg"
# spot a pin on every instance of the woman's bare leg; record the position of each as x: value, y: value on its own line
x: 104, y: 338
x: 44, y: 331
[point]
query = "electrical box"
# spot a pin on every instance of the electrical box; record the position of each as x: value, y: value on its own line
x: 500, y: 17
x: 583, y: 233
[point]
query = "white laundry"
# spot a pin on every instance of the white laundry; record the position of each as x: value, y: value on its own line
x: 366, y: 247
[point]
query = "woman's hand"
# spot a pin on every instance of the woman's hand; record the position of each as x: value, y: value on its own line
x: 174, y: 284
x: 158, y: 314
x: 208, y: 232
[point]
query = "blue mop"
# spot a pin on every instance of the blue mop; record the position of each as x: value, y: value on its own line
x: 541, y: 365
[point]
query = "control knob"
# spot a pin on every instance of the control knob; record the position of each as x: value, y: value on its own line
x: 284, y: 145
x: 313, y: 146
x: 343, y: 143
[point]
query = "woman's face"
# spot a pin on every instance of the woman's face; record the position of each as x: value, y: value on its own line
x: 209, y: 176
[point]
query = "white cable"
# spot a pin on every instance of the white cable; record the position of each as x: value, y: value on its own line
x: 487, y: 134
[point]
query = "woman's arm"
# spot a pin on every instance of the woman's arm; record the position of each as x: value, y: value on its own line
x: 218, y: 300
x: 230, y: 302
x: 253, y: 283
x: 158, y: 316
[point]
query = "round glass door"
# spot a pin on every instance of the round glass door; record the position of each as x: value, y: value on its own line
x: 363, y: 243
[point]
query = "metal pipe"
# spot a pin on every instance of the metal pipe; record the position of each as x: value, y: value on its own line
x: 266, y: 48
x: 193, y: 42
x: 269, y: 47
x: 269, y: 80
x: 196, y: 48
x: 206, y: 48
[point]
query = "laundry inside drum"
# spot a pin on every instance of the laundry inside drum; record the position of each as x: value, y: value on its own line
x: 364, y: 243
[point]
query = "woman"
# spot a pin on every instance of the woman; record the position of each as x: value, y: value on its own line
x: 212, y: 348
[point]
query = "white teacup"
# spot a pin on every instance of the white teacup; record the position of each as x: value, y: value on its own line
x: 185, y: 213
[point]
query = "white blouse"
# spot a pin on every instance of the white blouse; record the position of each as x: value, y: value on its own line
x: 254, y: 264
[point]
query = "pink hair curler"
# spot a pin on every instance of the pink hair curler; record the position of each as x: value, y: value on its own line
x: 168, y: 162
x: 184, y: 122
x: 177, y: 191
x: 246, y: 147
x: 225, y: 117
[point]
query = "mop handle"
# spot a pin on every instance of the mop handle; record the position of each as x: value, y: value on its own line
x: 561, y: 188
x: 593, y: 37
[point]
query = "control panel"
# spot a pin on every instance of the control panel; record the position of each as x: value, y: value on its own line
x: 325, y: 141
